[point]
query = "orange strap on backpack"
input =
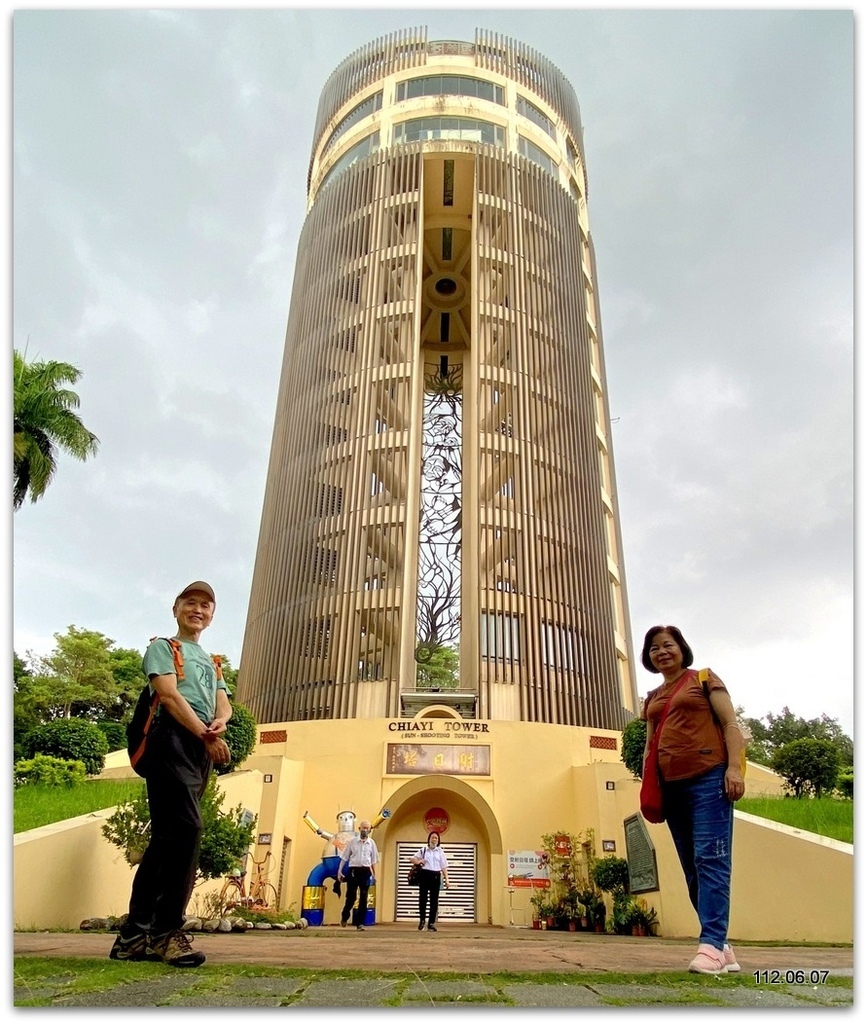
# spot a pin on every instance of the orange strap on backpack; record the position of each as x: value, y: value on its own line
x: 178, y: 657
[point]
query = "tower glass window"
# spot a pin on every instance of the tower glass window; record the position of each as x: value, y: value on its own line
x: 457, y: 128
x: 449, y: 85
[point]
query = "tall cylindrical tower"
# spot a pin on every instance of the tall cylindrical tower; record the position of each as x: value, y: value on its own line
x: 440, y: 522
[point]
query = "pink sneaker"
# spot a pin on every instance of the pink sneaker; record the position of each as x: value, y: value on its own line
x: 730, y: 958
x: 708, y: 960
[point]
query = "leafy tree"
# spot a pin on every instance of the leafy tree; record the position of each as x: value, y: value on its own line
x: 71, y: 739
x: 808, y: 766
x: 775, y: 731
x: 440, y: 671
x: 240, y: 737
x: 632, y: 746
x: 226, y: 835
x: 76, y: 679
x: 43, y: 422
x: 129, y: 678
x: 25, y: 712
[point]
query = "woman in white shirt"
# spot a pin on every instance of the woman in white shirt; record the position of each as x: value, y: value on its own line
x: 434, y: 875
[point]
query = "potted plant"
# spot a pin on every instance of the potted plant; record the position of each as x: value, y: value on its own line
x: 625, y: 912
x: 645, y: 919
x: 596, y: 912
x: 538, y: 903
x: 570, y: 909
x: 586, y: 901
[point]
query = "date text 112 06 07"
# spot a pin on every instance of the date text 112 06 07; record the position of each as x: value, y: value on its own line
x: 797, y: 976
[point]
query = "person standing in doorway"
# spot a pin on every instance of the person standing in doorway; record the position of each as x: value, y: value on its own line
x: 185, y: 741
x: 434, y: 876
x: 361, y: 856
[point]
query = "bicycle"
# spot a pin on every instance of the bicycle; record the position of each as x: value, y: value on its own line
x: 262, y: 893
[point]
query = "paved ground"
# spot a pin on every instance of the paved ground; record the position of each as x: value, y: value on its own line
x: 469, y: 949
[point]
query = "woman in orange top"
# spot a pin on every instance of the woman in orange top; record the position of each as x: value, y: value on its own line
x: 700, y: 767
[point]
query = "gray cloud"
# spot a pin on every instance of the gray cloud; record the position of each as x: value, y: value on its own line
x: 160, y: 163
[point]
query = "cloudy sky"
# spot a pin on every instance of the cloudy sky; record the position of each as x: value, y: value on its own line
x: 160, y: 161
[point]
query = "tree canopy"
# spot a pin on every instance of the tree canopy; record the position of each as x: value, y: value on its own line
x: 84, y: 677
x: 44, y: 422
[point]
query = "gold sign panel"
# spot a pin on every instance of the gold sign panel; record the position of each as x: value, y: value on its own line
x: 438, y: 759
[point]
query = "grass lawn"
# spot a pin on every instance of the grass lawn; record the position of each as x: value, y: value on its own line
x: 826, y: 816
x: 35, y: 805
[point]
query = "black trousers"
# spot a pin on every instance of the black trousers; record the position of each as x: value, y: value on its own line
x: 357, y: 884
x: 429, y: 890
x: 164, y: 880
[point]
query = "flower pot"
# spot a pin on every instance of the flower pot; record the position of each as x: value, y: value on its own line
x: 537, y: 924
x: 573, y: 926
x: 599, y: 927
x: 585, y: 923
x: 550, y: 922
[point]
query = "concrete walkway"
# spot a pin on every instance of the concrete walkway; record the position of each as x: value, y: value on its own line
x: 469, y: 949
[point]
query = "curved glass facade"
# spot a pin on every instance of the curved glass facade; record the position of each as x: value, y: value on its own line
x: 459, y: 128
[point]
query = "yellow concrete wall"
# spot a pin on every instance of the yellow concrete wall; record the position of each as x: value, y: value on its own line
x: 787, y: 886
x: 66, y: 872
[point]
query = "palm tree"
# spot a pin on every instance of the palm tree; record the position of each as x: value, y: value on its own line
x: 43, y: 422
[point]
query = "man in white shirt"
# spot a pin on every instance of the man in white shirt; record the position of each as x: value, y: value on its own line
x: 361, y: 855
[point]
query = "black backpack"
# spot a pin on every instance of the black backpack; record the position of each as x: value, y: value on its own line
x: 146, y: 707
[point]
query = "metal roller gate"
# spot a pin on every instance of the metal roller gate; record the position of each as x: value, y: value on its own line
x: 458, y: 902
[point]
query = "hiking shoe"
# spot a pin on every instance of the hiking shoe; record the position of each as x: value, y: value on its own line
x: 730, y: 958
x: 708, y: 960
x: 129, y: 947
x: 175, y: 949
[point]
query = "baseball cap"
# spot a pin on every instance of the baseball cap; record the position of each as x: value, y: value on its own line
x: 206, y: 588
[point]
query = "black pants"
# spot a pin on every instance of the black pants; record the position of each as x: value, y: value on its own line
x: 163, y: 882
x: 357, y: 884
x: 429, y: 889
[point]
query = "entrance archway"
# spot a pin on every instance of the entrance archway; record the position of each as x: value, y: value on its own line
x: 467, y: 827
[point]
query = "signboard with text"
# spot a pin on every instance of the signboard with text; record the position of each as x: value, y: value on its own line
x: 438, y: 759
x: 640, y: 856
x: 528, y: 869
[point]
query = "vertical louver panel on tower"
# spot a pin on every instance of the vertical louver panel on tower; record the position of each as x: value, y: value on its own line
x: 545, y: 616
x: 440, y: 520
x: 324, y: 623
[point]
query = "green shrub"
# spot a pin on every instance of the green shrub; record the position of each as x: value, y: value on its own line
x: 240, y: 737
x: 611, y: 874
x: 846, y: 783
x: 50, y: 771
x: 115, y: 734
x: 226, y: 835
x: 72, y: 739
x: 129, y: 828
x: 632, y: 746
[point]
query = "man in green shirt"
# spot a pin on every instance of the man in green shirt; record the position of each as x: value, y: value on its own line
x: 185, y: 741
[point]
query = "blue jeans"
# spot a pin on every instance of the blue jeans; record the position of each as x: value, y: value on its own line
x: 701, y: 818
